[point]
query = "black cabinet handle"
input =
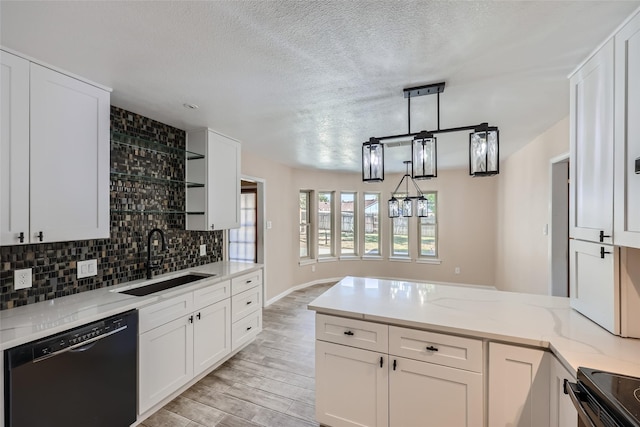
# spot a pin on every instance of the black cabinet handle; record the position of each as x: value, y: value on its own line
x: 348, y: 333
x: 381, y: 361
x: 198, y: 316
x: 249, y: 302
x: 191, y: 319
x: 21, y: 237
x: 603, y: 252
x: 249, y: 328
x: 602, y: 236
x: 395, y: 362
x: 40, y: 236
x: 249, y: 281
x: 432, y: 348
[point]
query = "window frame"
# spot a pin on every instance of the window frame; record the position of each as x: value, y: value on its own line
x: 332, y: 226
x: 421, y: 256
x: 377, y: 255
x: 355, y: 226
x: 307, y: 224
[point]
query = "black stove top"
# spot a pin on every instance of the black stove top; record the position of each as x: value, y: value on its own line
x: 620, y: 394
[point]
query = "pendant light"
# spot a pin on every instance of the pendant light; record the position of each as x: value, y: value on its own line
x: 373, y: 161
x: 404, y: 208
x: 484, y: 156
x: 424, y: 156
x: 483, y: 151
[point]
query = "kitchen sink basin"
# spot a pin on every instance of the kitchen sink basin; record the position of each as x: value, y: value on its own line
x: 165, y: 284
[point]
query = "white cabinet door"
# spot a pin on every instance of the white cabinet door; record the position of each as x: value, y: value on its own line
x: 219, y: 171
x: 14, y: 150
x: 561, y: 411
x: 627, y: 135
x: 351, y: 386
x: 69, y: 187
x: 211, y: 335
x: 165, y: 361
x: 518, y: 386
x: 591, y: 140
x: 594, y: 282
x: 423, y: 394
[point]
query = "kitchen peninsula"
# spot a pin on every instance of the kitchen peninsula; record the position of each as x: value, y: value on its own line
x: 492, y: 355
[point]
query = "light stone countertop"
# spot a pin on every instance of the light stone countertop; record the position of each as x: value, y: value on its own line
x: 35, y: 321
x: 509, y: 317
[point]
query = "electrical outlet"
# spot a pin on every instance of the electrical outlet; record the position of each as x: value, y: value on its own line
x: 457, y: 270
x: 313, y: 268
x: 269, y: 225
x: 22, y: 279
x: 203, y: 250
x: 87, y: 268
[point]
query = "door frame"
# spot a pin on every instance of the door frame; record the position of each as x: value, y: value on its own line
x: 261, y: 226
x: 558, y: 252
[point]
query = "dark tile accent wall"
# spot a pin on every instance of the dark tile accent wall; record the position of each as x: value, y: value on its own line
x: 122, y: 257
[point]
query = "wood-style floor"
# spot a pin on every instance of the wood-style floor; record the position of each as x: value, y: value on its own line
x: 269, y: 383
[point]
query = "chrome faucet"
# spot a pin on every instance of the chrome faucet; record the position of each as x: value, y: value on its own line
x: 154, y: 265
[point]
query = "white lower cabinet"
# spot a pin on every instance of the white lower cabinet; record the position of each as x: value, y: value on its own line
x: 518, y: 386
x: 246, y: 308
x: 424, y: 394
x: 179, y: 339
x: 399, y: 377
x: 562, y: 413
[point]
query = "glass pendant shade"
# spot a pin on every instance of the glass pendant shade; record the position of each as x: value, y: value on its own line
x: 422, y: 208
x: 483, y: 152
x: 373, y: 161
x: 424, y: 152
x: 407, y: 207
x: 394, y: 208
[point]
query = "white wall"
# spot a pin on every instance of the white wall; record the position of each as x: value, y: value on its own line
x: 523, y: 196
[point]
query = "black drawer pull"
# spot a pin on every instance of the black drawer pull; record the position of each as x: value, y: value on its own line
x: 249, y: 302
x: 432, y: 348
x: 198, y: 316
x: 191, y: 319
x: 348, y: 333
x: 381, y: 361
x: 21, y: 237
x: 248, y: 328
x: 395, y: 362
x: 603, y: 252
x: 40, y: 236
x: 249, y: 281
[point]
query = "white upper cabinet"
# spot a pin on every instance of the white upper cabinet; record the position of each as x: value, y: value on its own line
x: 627, y: 136
x: 216, y: 206
x: 591, y: 139
x: 14, y: 150
x: 55, y: 156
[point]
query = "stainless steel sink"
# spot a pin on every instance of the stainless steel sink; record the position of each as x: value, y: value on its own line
x: 165, y: 284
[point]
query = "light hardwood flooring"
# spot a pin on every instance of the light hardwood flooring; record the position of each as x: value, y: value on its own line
x: 269, y: 383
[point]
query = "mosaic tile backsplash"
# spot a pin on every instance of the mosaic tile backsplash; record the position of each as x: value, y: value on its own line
x: 122, y: 257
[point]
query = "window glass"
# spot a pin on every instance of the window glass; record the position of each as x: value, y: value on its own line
x: 348, y: 224
x: 325, y: 224
x: 371, y: 223
x: 428, y: 228
x: 305, y: 243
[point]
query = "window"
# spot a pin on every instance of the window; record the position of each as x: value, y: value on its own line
x: 428, y: 229
x: 372, y: 224
x: 305, y: 224
x: 348, y: 224
x: 400, y: 237
x: 325, y: 224
x: 243, y: 245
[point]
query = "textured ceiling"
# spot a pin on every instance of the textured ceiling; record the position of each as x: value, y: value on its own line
x: 305, y: 83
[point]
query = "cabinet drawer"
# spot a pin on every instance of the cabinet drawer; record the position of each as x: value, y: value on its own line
x: 245, y: 303
x: 441, y: 349
x: 356, y: 333
x: 246, y: 281
x: 165, y: 311
x: 211, y: 294
x: 246, y: 329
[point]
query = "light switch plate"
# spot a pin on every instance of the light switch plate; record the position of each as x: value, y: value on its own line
x: 87, y: 268
x: 22, y: 279
x: 203, y: 250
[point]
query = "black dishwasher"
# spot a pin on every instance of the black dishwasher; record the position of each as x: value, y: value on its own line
x: 86, y: 376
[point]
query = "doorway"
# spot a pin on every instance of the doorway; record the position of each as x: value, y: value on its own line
x: 243, y: 241
x: 559, y: 218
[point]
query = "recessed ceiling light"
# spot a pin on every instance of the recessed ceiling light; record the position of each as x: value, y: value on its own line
x: 190, y: 106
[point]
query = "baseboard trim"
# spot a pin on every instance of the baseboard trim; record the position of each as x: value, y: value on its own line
x: 302, y: 286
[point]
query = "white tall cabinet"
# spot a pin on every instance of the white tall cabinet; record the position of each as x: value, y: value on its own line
x: 54, y: 152
x: 627, y: 134
x: 591, y: 141
x: 216, y: 205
